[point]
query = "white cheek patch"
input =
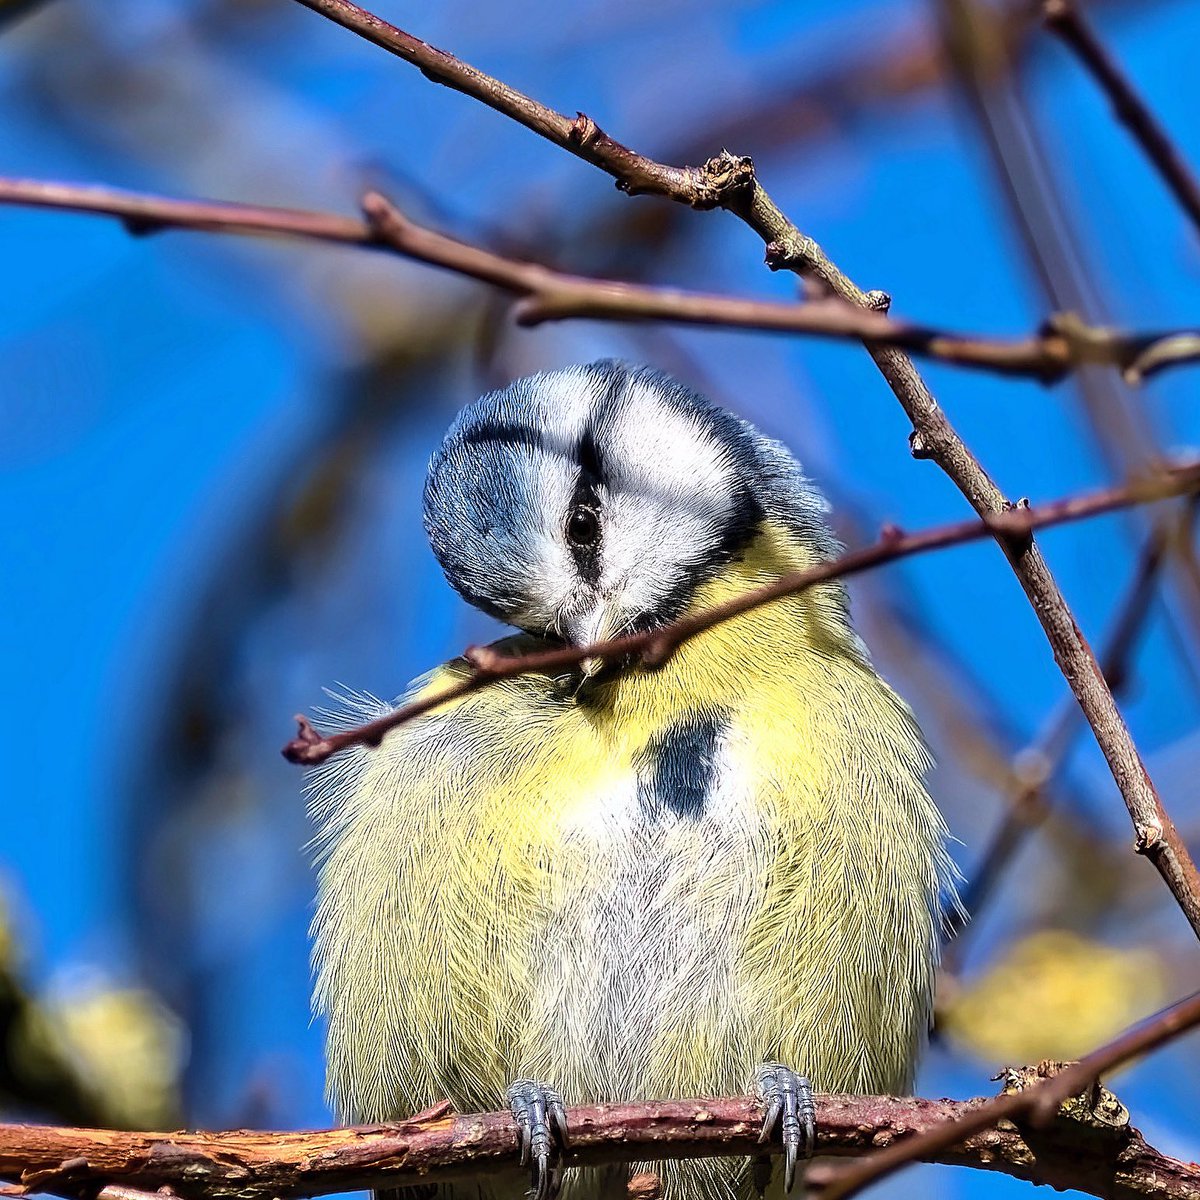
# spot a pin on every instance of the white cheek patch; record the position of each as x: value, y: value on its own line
x: 554, y: 579
x: 663, y: 454
x: 671, y: 497
x: 562, y: 403
x: 646, y: 548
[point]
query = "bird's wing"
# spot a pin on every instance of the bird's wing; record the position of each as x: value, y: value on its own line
x: 432, y: 851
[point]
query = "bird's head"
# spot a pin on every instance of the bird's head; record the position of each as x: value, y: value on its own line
x: 592, y: 501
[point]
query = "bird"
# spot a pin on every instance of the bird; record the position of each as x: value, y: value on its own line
x: 625, y: 881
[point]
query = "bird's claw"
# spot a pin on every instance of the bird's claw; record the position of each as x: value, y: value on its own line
x: 787, y: 1102
x: 541, y: 1123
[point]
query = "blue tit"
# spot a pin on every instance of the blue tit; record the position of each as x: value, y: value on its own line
x: 630, y: 883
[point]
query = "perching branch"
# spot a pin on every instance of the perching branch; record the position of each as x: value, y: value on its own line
x: 1090, y: 1146
x: 729, y: 182
x: 1114, y: 1163
x: 1064, y: 19
x: 653, y: 647
x: 549, y: 295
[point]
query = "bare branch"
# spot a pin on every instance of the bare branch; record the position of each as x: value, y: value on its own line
x: 143, y: 213
x: 707, y: 186
x: 1035, y: 767
x: 549, y: 295
x: 653, y: 647
x: 1064, y: 19
x: 729, y: 182
x: 1038, y: 1103
x: 1114, y: 1163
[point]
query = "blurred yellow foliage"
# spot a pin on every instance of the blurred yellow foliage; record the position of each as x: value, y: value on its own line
x: 1056, y: 995
x: 14, y: 927
x: 124, y: 1044
x: 8, y: 945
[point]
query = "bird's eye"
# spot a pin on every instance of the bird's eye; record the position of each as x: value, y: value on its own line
x: 583, y: 526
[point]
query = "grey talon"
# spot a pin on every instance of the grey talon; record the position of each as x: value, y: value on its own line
x: 541, y: 1123
x: 787, y: 1102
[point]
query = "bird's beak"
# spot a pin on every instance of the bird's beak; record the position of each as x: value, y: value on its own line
x: 598, y: 625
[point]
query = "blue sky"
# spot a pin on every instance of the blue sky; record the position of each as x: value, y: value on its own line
x: 174, y: 408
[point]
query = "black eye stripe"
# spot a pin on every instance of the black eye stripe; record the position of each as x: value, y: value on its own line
x: 588, y: 455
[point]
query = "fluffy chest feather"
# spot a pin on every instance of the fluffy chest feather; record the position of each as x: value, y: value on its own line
x: 650, y: 895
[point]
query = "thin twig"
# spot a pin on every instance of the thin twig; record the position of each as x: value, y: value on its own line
x: 653, y: 647
x: 707, y: 186
x: 548, y: 295
x: 1064, y: 19
x: 1037, y: 1103
x: 143, y: 213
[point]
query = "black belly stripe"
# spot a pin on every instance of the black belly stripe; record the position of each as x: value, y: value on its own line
x: 677, y: 770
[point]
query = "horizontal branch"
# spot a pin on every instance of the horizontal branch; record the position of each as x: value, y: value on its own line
x: 142, y: 212
x: 1065, y: 344
x: 1087, y: 1146
x: 1114, y: 1163
x: 652, y: 647
x: 548, y: 295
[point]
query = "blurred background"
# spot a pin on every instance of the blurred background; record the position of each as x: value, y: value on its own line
x: 211, y: 455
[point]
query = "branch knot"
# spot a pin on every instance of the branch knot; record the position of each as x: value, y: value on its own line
x: 722, y: 180
x: 583, y: 132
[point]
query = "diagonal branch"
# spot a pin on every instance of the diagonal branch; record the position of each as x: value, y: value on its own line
x: 729, y: 182
x: 652, y: 647
x: 1036, y: 1103
x: 549, y: 295
x: 707, y: 186
x: 1034, y: 768
x: 1064, y: 19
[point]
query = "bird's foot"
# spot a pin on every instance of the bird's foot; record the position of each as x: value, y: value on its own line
x: 787, y: 1100
x: 542, y: 1126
